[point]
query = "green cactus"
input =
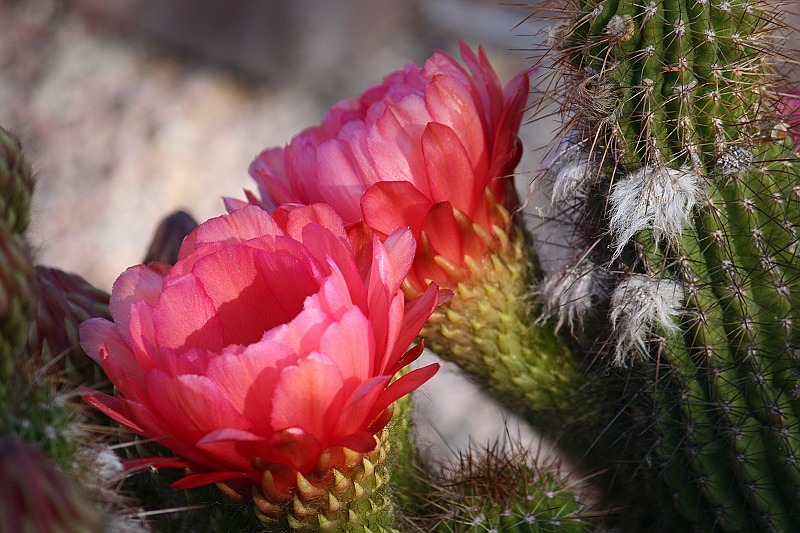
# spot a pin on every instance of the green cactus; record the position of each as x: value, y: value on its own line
x: 683, y: 191
x: 17, y: 293
x: 503, y: 488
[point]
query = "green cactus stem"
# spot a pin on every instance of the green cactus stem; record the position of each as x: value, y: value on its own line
x: 685, y: 189
x: 16, y: 184
x: 17, y: 295
x: 489, y: 329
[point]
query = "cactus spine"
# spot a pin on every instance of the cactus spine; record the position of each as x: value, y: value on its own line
x: 690, y: 186
x: 503, y: 488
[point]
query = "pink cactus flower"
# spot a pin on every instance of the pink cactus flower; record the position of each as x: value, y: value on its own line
x: 271, y: 344
x: 430, y: 148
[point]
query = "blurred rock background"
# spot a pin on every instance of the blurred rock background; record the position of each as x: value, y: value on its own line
x: 131, y: 109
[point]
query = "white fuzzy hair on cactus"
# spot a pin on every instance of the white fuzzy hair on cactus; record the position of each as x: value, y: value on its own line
x: 657, y: 198
x: 641, y: 304
x: 572, y: 293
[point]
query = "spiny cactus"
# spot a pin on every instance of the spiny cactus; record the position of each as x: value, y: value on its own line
x: 503, y: 488
x: 17, y: 294
x: 684, y: 199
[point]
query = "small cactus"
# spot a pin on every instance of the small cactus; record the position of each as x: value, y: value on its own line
x: 502, y: 488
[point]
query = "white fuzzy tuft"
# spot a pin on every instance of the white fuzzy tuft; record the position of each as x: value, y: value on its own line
x: 567, y: 170
x: 640, y: 304
x: 107, y: 466
x: 570, y: 294
x: 660, y: 199
x: 567, y: 179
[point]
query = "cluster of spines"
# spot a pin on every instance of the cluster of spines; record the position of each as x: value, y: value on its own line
x: 503, y: 489
x: 691, y: 185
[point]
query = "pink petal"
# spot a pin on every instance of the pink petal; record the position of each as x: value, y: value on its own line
x: 142, y: 335
x: 400, y: 247
x: 349, y: 343
x: 134, y: 465
x: 451, y: 105
x: 169, y: 433
x: 393, y: 329
x: 322, y: 214
x: 393, y: 143
x: 185, y: 317
x: 345, y: 190
x: 122, y: 368
x: 110, y: 406
x: 229, y: 435
x: 235, y: 448
x: 450, y: 173
x: 402, y: 386
x: 506, y: 151
x: 198, y: 480
x: 248, y: 379
x: 302, y: 334
x: 233, y: 204
x: 486, y: 82
x: 355, y: 414
x: 247, y: 223
x: 411, y: 355
x: 417, y: 313
x: 361, y: 441
x: 94, y: 332
x: 333, y: 249
x: 194, y: 404
x: 445, y: 234
x: 253, y: 291
x: 141, y: 282
x: 355, y: 135
x: 308, y: 396
x: 392, y: 205
x: 296, y: 448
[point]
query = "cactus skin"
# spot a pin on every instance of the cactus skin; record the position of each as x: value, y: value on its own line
x: 675, y: 112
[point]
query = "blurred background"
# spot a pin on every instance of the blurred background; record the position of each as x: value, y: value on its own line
x: 131, y: 109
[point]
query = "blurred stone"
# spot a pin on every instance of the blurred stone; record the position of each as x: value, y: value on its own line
x: 263, y: 38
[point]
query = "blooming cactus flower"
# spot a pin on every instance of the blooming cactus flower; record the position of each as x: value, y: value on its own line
x: 271, y: 344
x: 430, y: 148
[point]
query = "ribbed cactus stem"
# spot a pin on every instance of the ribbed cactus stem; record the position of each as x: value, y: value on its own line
x: 16, y: 184
x: 17, y: 295
x: 693, y: 194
